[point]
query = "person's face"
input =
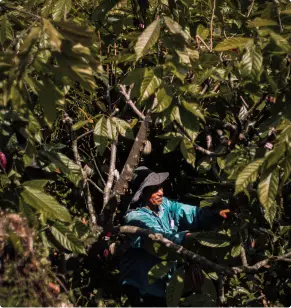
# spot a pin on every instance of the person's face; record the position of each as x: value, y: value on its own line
x: 156, y: 198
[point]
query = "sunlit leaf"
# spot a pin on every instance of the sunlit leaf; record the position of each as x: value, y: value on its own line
x: 101, y: 134
x: 61, y: 9
x: 194, y: 109
x: 67, y: 238
x: 267, y: 189
x: 147, y: 39
x: 248, y: 175
x: 44, y: 203
x: 159, y: 271
x: 164, y: 97
x: 233, y: 43
x: 251, y: 63
x: 149, y: 85
x: 259, y: 22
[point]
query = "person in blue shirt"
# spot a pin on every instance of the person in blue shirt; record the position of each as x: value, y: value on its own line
x: 172, y: 219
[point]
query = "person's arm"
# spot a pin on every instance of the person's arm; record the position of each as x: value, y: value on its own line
x: 146, y: 222
x: 190, y: 217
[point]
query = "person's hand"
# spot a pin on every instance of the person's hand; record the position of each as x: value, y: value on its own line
x: 224, y: 213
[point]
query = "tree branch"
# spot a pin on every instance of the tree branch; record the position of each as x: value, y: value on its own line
x: 129, y: 101
x: 108, y: 186
x: 243, y: 252
x: 96, y: 186
x: 211, y: 25
x: 85, y: 134
x: 93, y: 218
x: 202, y: 261
x: 210, y: 153
x: 251, y: 8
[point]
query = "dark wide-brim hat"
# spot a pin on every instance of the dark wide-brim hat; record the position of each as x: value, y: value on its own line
x: 144, y: 177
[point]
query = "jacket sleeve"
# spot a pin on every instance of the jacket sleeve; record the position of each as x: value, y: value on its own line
x: 145, y: 222
x: 191, y: 217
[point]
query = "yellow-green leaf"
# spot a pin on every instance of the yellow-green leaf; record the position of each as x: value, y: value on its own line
x: 147, y: 39
x: 233, y: 43
x: 175, y: 288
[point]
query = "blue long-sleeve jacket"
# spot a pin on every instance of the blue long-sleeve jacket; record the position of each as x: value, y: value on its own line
x: 173, y: 221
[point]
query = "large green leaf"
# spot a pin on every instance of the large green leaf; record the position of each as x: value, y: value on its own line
x: 149, y: 85
x: 148, y: 38
x: 49, y: 96
x: 69, y: 168
x: 233, y: 43
x: 6, y: 31
x: 194, y: 109
x: 164, y: 97
x: 67, y: 238
x: 268, y: 188
x: 172, y: 144
x: 44, y: 203
x: 101, y: 134
x: 111, y: 129
x: 190, y: 123
x: 202, y: 31
x: 123, y: 127
x: 188, y: 152
x: 61, y: 9
x: 259, y: 22
x: 248, y: 175
x: 175, y: 288
x: 212, y: 239
x: 159, y: 271
x: 175, y: 28
x: 251, y: 63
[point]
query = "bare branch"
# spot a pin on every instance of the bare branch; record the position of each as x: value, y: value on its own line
x: 98, y: 170
x: 251, y: 8
x: 211, y: 25
x: 243, y: 252
x: 85, y: 134
x: 93, y: 218
x: 110, y: 179
x: 129, y: 101
x: 199, y: 38
x: 158, y: 238
x: 96, y: 186
x: 210, y: 153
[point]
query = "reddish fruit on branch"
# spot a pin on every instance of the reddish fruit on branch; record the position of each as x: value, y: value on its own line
x: 3, y: 160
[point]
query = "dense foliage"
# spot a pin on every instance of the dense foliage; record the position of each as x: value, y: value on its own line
x: 214, y: 76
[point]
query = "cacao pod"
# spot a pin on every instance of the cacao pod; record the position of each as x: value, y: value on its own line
x: 3, y: 160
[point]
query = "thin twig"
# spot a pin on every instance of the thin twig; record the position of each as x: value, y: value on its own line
x: 93, y: 218
x: 129, y: 101
x: 221, y: 296
x: 243, y: 252
x: 210, y: 153
x: 96, y: 186
x: 98, y: 170
x: 199, y: 38
x: 251, y: 8
x: 211, y: 24
x: 85, y: 134
x: 108, y: 186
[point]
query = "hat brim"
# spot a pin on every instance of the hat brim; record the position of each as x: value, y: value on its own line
x: 153, y: 179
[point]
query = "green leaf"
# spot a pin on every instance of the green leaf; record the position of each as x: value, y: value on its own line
x: 260, y: 22
x: 69, y: 168
x: 172, y: 144
x: 80, y: 124
x: 67, y: 238
x: 124, y: 128
x: 175, y: 288
x: 190, y: 124
x: 147, y: 39
x: 188, y: 152
x: 286, y: 12
x: 164, y: 97
x: 61, y: 9
x: 287, y: 170
x: 233, y: 43
x: 44, y: 203
x: 101, y: 135
x: 175, y: 28
x: 202, y: 32
x: 149, y: 85
x: 6, y: 31
x: 47, y: 9
x: 212, y: 239
x: 267, y: 189
x: 248, y: 175
x: 48, y: 97
x: 251, y: 63
x: 38, y: 184
x: 235, y: 251
x: 270, y: 214
x: 159, y: 271
x: 194, y: 109
x: 111, y: 129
